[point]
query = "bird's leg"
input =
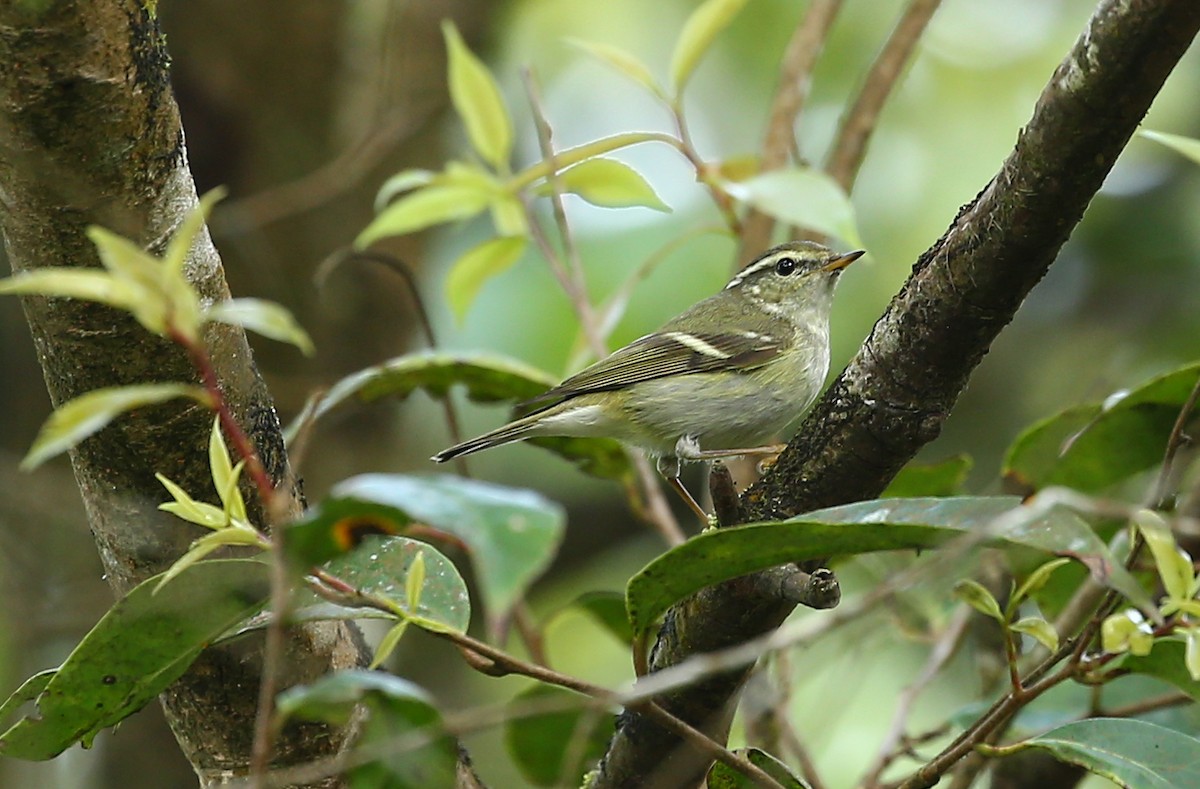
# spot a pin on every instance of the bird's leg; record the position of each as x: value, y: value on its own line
x: 713, y: 454
x: 668, y: 467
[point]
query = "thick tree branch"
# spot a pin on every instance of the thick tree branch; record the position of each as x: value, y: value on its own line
x: 895, y: 395
x: 90, y: 134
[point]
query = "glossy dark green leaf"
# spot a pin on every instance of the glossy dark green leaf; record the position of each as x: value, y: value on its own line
x: 402, y: 736
x: 946, y: 478
x: 383, y: 566
x: 722, y: 776
x: 865, y: 527
x: 608, y: 610
x: 1091, y: 447
x: 1131, y: 753
x: 510, y: 535
x: 1166, y: 661
x: 142, y: 645
x: 541, y: 744
x: 488, y: 378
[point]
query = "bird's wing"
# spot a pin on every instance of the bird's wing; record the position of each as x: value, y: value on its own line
x: 666, y: 353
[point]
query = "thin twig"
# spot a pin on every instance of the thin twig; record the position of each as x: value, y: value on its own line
x: 795, y: 74
x: 858, y: 123
x: 1142, y: 706
x: 1160, y: 498
x: 942, y: 651
x: 402, y: 270
x: 572, y: 280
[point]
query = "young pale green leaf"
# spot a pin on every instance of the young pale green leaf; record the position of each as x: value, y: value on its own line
x: 541, y: 744
x: 622, y: 61
x: 184, y: 237
x: 402, y: 730
x: 1173, y: 564
x: 380, y: 566
x: 1188, y: 146
x: 978, y: 597
x: 488, y: 378
x: 510, y: 535
x: 722, y: 776
x: 705, y: 23
x: 946, y: 478
x: 86, y: 285
x: 610, y: 184
x: 1128, y: 752
x: 1039, y: 629
x: 388, y: 644
x: 1092, y: 447
x: 76, y: 419
x: 235, y: 505
x: 267, y: 318
x: 142, y: 645
x: 220, y: 465
x: 803, y: 197
x: 1126, y: 631
x: 171, y: 302
x: 1036, y: 580
x: 508, y: 216
x: 477, y: 266
x: 414, y: 582
x: 865, y: 527
x: 477, y: 99
x: 232, y: 535
x: 1191, y: 655
x: 401, y: 182
x: 429, y: 205
x: 184, y: 506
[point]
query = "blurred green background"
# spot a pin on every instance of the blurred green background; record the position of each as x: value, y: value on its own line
x: 303, y: 108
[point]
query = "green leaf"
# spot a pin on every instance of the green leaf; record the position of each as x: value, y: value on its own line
x: 267, y: 318
x: 488, y: 378
x: 388, y: 643
x: 510, y: 535
x: 1131, y: 753
x: 1192, y: 653
x: 1036, y: 580
x: 142, y: 645
x: 803, y: 197
x: 508, y: 216
x: 83, y: 416
x: 478, y: 101
x: 978, y: 597
x: 608, y: 610
x: 622, y: 61
x: 1173, y: 564
x: 1038, y: 629
x: 83, y: 284
x: 1092, y: 447
x: 540, y: 745
x: 477, y: 266
x: 1188, y: 146
x: 610, y: 184
x: 722, y: 776
x: 401, y: 182
x: 946, y: 478
x: 1127, y: 631
x: 189, y: 509
x: 865, y: 527
x: 1167, y: 660
x: 430, y: 205
x: 224, y: 478
x: 233, y: 535
x: 697, y: 36
x: 402, y: 736
x: 382, y: 565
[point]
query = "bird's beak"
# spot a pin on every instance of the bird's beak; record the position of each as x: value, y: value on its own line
x: 839, y: 263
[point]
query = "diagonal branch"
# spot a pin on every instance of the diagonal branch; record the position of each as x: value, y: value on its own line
x: 897, y: 392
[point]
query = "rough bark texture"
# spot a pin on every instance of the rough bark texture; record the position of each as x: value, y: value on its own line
x: 90, y: 134
x: 895, y: 395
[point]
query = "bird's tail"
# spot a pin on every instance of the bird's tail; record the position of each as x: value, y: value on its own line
x: 513, y: 431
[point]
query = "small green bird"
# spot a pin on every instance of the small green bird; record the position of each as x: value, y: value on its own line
x: 733, y: 371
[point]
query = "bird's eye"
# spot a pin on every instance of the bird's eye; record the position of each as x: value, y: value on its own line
x: 785, y: 266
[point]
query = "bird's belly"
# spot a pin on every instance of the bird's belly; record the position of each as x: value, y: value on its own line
x: 718, y: 411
